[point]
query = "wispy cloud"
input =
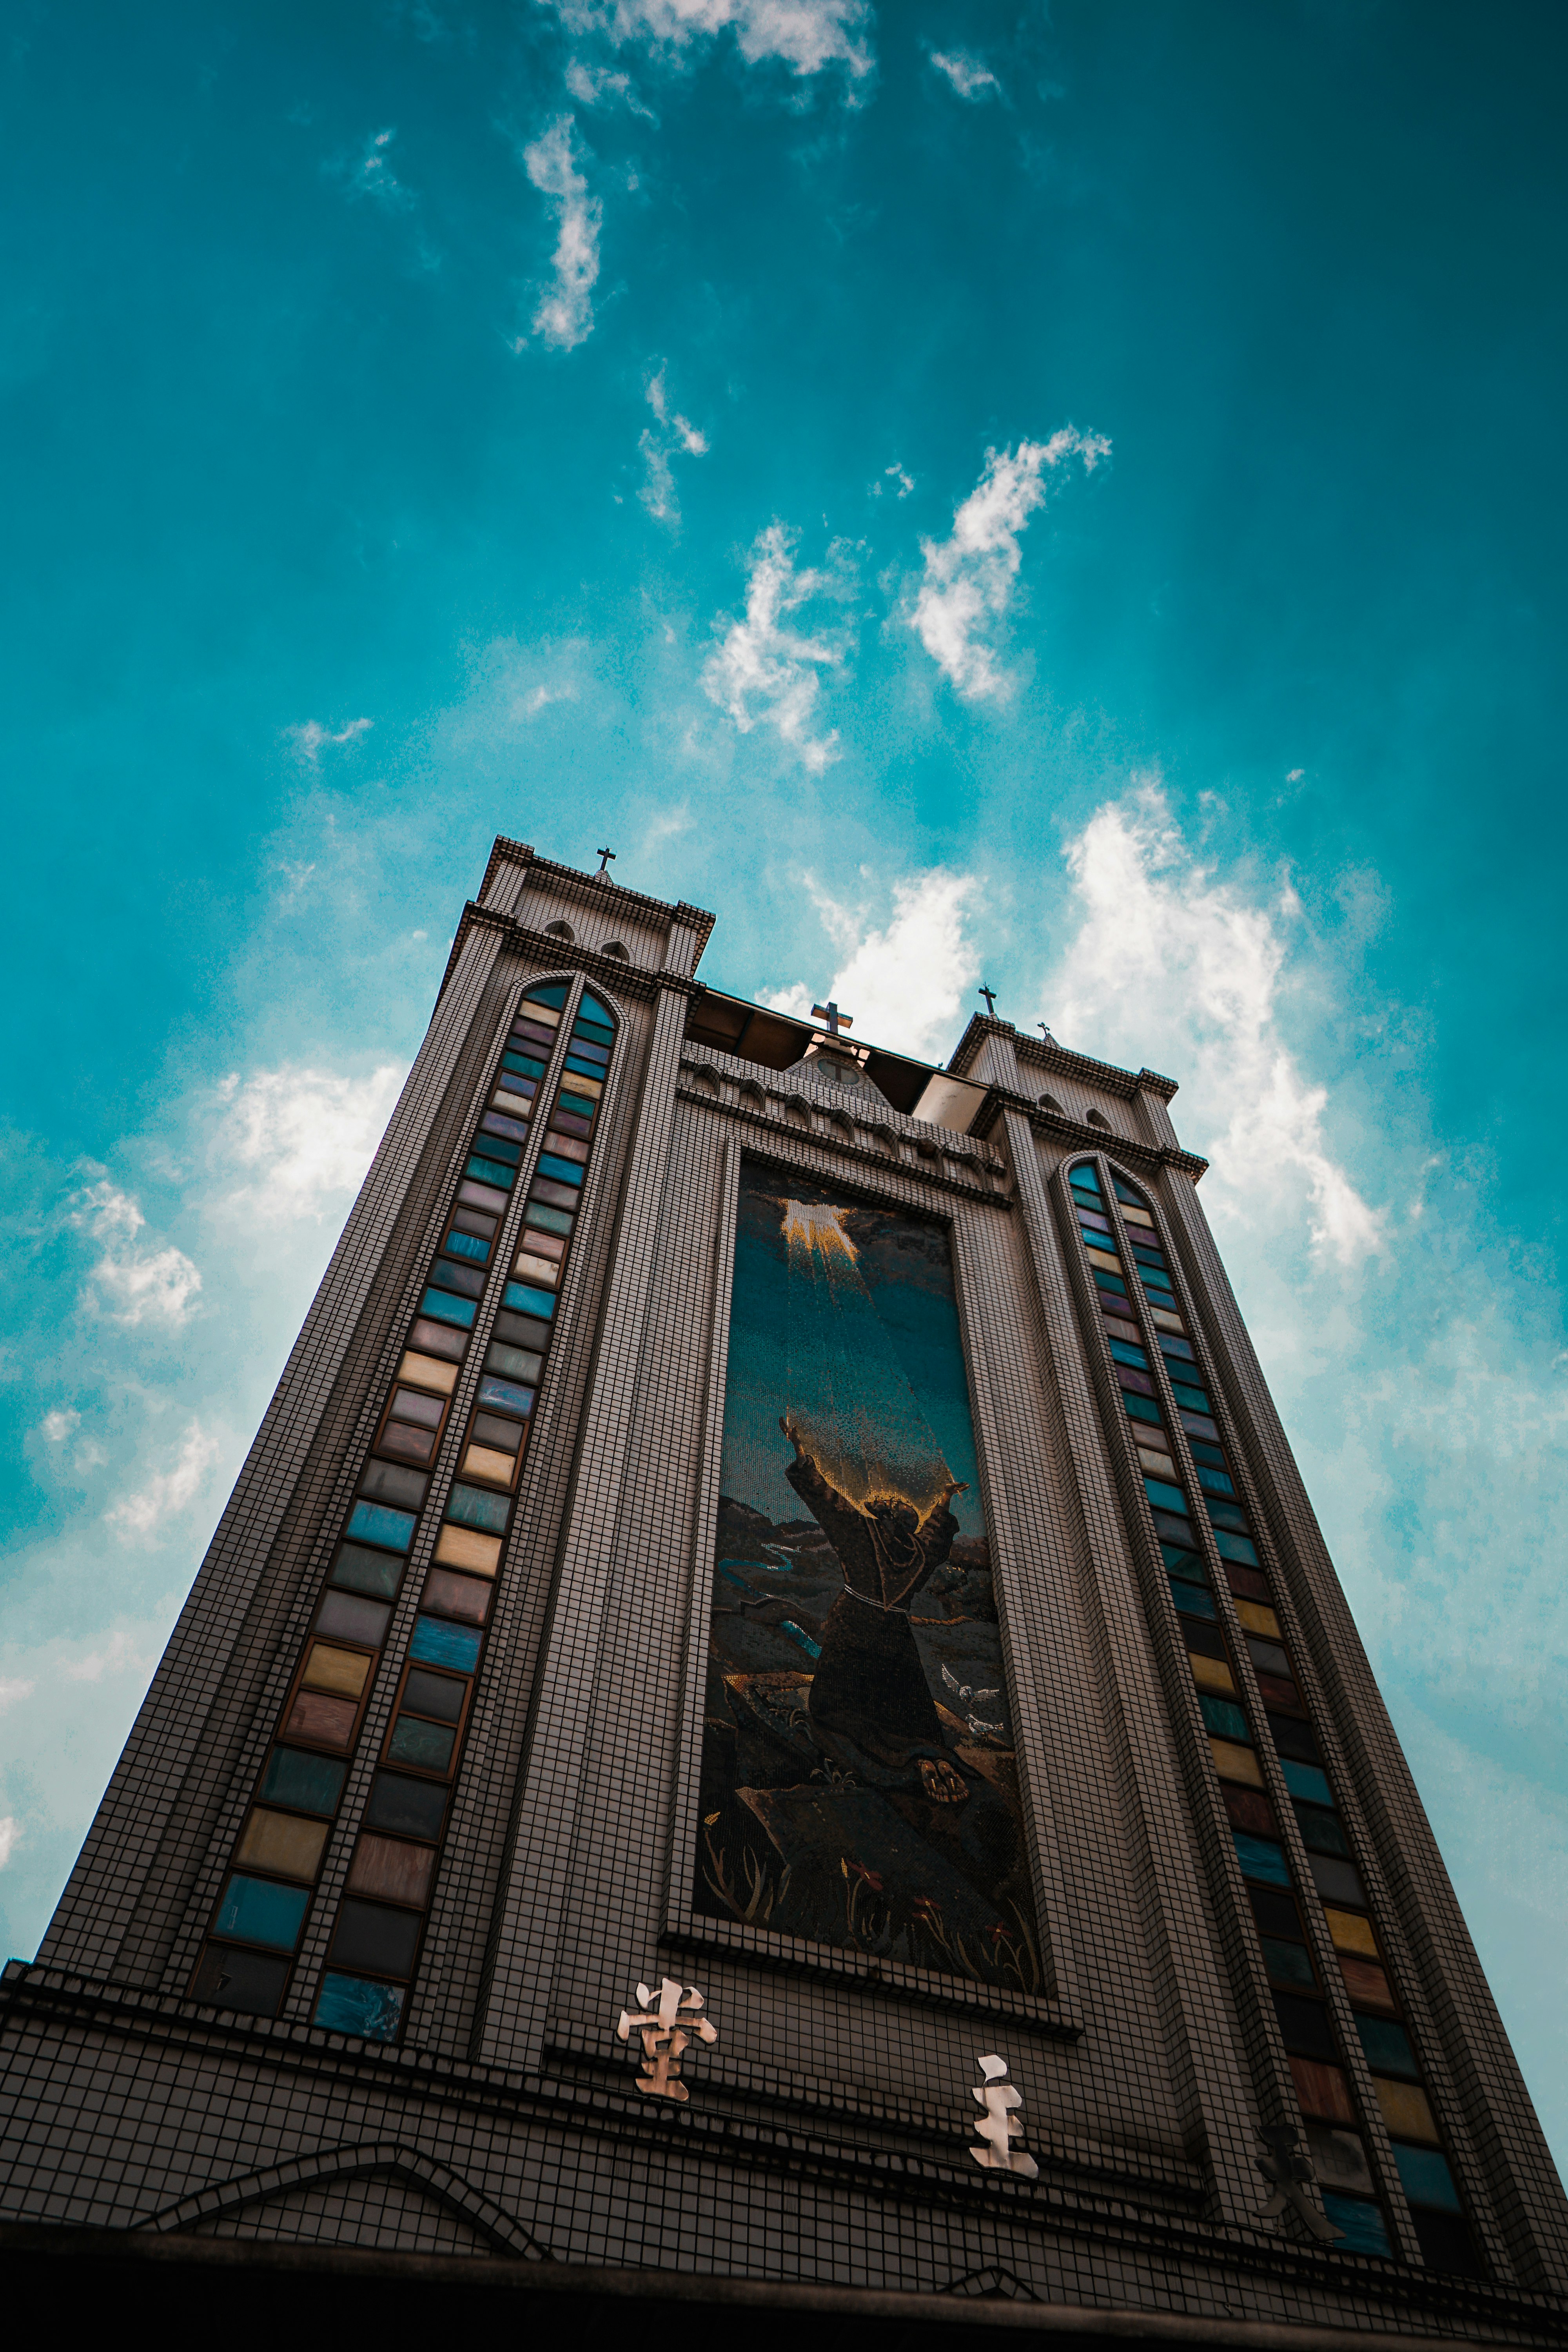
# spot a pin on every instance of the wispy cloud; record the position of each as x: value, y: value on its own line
x: 300, y: 1139
x: 60, y: 1425
x: 597, y: 87
x: 134, y: 1284
x: 807, y: 36
x: 1199, y: 964
x: 121, y: 1654
x: 969, y: 76
x: 312, y: 738
x: 10, y: 1831
x: 908, y: 984
x: 14, y: 1688
x: 139, y: 1517
x: 564, y: 315
x: 968, y: 576
x: 763, y: 671
x: 675, y: 435
x: 374, y: 178
x: 904, y: 482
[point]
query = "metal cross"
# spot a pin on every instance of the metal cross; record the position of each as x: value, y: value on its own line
x: 990, y: 996
x: 1045, y: 1033
x: 834, y: 1019
x: 605, y: 857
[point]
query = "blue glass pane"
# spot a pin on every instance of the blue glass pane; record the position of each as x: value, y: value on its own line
x: 494, y: 1146
x: 1154, y: 1277
x: 527, y: 1065
x: 564, y: 1171
x: 495, y: 1123
x: 1192, y: 1600
x: 471, y: 1508
x: 1174, y: 1530
x: 1193, y: 1399
x: 592, y: 1032
x: 592, y: 1010
x: 1127, y: 1196
x: 354, y: 2005
x: 1226, y: 1515
x: 312, y: 1784
x: 438, y: 1644
x: 1214, y: 1482
x: 1261, y: 1858
x: 522, y: 1362
x: 1321, y: 1833
x: 1387, y: 2047
x: 552, y: 992
x: 1361, y: 2222
x: 528, y: 1301
x: 1124, y: 1353
x: 445, y: 1306
x: 1170, y: 1346
x: 490, y: 1171
x: 1185, y: 1563
x: 426, y: 1745
x: 1224, y: 1719
x: 585, y: 1068
x: 1164, y: 1497
x: 507, y: 1395
x: 549, y: 1221
x: 1289, y: 1964
x: 260, y: 1913
x: 367, y: 1571
x: 1084, y: 1174
x: 467, y: 1246
x: 580, y: 1105
x: 373, y: 1523
x: 1237, y: 1548
x: 1427, y: 2178
x: 1305, y: 1781
x: 1141, y: 1408
x: 596, y: 1055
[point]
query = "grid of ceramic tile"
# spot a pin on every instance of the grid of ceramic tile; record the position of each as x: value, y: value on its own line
x: 135, y: 1867
x: 1497, y: 2145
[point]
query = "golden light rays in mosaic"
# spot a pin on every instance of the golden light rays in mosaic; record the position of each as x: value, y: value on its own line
x: 858, y: 1782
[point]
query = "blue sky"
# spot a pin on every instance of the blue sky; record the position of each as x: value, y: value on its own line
x: 1068, y: 499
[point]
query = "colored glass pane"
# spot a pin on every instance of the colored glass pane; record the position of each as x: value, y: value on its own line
x: 1259, y: 1619
x: 1192, y: 1600
x: 438, y: 1644
x: 1339, y: 2159
x: 581, y: 1106
x: 490, y: 1171
x: 1226, y: 1515
x: 426, y: 1745
x: 328, y: 1668
x: 367, y: 1571
x: 249, y: 1982
x: 1164, y: 1498
x: 592, y: 1009
x: 283, y: 1843
x: 348, y: 1619
x: 351, y: 2005
x: 1321, y: 1833
x: 548, y: 1220
x: 1366, y: 1983
x: 1387, y: 2047
x: 1193, y: 1399
x: 462, y: 1547
x: 1123, y: 1354
x: 392, y: 1870
x: 488, y: 1462
x: 1305, y: 1780
x: 414, y: 1444
x: 1406, y: 2110
x: 385, y: 1482
x: 1212, y: 1673
x: 465, y: 1596
x: 444, y: 1306
x: 1425, y: 2179
x: 1289, y: 1964
x: 1237, y: 1548
x: 564, y: 1171
x: 371, y: 1523
x: 429, y: 1373
x: 526, y: 1298
x: 578, y: 1059
x: 369, y: 1938
x: 469, y: 1507
x: 433, y: 1338
x: 550, y: 993
x: 311, y: 1783
x: 553, y: 1194
x: 1336, y: 1880
x: 329, y: 1722
x: 1235, y: 1763
x: 526, y: 1066
x: 1321, y: 2089
x: 1223, y: 1717
x: 1260, y: 1858
x: 508, y: 1396
x: 518, y: 1363
x: 1358, y: 2222
x: 410, y: 1808
x: 259, y: 1912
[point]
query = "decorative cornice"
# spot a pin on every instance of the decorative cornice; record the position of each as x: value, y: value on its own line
x: 621, y: 979
x: 1059, y: 1059
x: 595, y: 888
x: 1079, y: 1134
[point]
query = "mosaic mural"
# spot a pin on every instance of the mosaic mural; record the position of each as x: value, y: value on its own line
x: 858, y: 1779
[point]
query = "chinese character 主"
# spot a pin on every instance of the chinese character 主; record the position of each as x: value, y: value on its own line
x: 999, y: 2125
x: 662, y: 2025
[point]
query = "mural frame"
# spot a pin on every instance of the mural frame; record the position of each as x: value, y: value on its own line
x: 686, y: 1928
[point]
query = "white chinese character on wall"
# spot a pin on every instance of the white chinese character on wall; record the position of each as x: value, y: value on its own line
x: 662, y: 2025
x: 999, y: 2125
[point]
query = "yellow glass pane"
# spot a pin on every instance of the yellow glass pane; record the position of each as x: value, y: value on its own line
x: 573, y: 1084
x: 1259, y: 1619
x: 461, y: 1547
x: 485, y: 1461
x: 1104, y: 1257
x: 427, y: 1372
x: 1404, y: 2109
x: 1350, y: 1932
x: 277, y: 1841
x: 1234, y: 1763
x: 1166, y: 1321
x: 1211, y: 1673
x: 1135, y: 1216
x: 545, y: 1015
x: 530, y: 1268
x: 1158, y: 1466
x: 331, y: 1669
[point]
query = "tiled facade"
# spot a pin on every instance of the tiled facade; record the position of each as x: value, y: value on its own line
x: 828, y: 2136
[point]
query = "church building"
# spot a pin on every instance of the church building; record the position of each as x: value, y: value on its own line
x: 768, y: 1738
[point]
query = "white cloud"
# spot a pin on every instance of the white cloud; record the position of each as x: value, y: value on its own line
x: 807, y: 36
x: 596, y: 86
x: 301, y: 1138
x: 13, y: 1689
x: 969, y: 577
x: 906, y: 985
x: 1188, y: 966
x: 137, y: 1286
x: 312, y: 738
x: 10, y: 1831
x: 763, y: 671
x: 564, y: 317
x: 374, y: 176
x: 906, y: 482
x: 58, y: 1425
x: 121, y: 1655
x: 676, y: 435
x: 139, y: 1517
x: 969, y: 75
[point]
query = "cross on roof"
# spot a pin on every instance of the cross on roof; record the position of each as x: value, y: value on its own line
x: 834, y: 1019
x: 990, y: 996
x: 605, y: 857
x: 1045, y: 1033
